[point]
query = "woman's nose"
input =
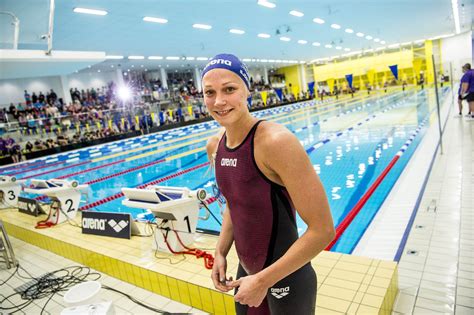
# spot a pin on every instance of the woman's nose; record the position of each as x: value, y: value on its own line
x: 220, y: 100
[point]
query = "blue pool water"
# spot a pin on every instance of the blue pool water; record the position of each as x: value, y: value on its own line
x: 349, y: 143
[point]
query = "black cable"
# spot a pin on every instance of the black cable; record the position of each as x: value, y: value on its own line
x: 49, y: 285
x: 131, y: 298
x: 207, y: 208
x: 11, y: 276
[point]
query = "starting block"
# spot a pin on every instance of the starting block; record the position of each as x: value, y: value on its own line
x: 10, y: 189
x: 176, y: 210
x: 66, y: 196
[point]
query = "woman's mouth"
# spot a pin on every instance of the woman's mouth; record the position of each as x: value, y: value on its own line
x: 223, y: 113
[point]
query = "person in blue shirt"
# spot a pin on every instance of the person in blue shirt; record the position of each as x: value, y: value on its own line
x: 466, y: 91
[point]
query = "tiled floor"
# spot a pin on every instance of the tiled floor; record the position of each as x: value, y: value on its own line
x: 438, y: 276
x: 346, y: 284
x: 37, y: 262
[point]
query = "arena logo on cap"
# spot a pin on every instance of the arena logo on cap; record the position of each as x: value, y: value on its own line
x: 219, y: 61
x: 245, y: 75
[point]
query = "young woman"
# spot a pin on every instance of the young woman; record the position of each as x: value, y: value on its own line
x: 265, y: 175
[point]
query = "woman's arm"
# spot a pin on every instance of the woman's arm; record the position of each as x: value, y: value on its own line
x: 285, y: 160
x: 226, y: 239
x: 292, y: 165
x: 226, y: 236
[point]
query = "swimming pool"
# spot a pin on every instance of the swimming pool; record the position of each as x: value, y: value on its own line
x: 349, y: 143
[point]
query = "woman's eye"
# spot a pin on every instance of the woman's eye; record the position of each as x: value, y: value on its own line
x: 209, y: 93
x: 230, y: 89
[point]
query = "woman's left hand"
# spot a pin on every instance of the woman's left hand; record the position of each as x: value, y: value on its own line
x: 251, y: 290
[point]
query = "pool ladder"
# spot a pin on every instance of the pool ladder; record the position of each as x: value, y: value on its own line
x: 6, y: 248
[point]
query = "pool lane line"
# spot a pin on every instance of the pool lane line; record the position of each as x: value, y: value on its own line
x: 300, y: 111
x: 34, y: 169
x: 107, y: 199
x: 329, y: 103
x: 363, y: 200
x: 189, y: 152
x: 320, y: 143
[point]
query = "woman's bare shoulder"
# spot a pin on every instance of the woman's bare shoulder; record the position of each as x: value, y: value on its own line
x: 271, y: 134
x: 213, y: 141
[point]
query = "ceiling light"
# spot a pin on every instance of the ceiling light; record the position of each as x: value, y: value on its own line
x: 90, y: 11
x: 113, y: 57
x: 338, y: 47
x: 328, y: 46
x: 360, y: 34
x: 376, y: 40
x: 349, y: 30
x: 155, y: 57
x: 347, y: 49
x: 316, y: 44
x: 318, y: 20
x: 285, y: 39
x: 335, y: 26
x: 246, y: 60
x: 278, y: 61
x: 201, y: 58
x: 368, y: 37
x: 136, y: 57
x: 190, y: 58
x: 263, y: 60
x: 236, y: 31
x: 265, y: 3
x: 455, y: 7
x: 202, y: 26
x: 155, y: 20
x: 172, y: 58
x: 394, y: 45
x: 263, y: 35
x: 302, y: 42
x: 382, y: 42
x: 296, y: 13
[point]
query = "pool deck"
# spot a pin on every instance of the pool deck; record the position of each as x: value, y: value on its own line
x: 346, y: 284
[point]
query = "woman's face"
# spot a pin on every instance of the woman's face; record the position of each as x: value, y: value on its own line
x: 225, y: 96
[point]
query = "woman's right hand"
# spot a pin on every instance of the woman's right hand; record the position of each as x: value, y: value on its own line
x: 219, y: 274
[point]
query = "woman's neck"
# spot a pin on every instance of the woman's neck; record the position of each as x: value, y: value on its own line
x: 237, y: 132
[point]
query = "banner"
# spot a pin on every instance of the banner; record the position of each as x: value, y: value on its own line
x: 371, y: 77
x: 28, y: 206
x: 311, y: 88
x: 394, y: 70
x: 331, y: 83
x: 264, y: 95
x: 107, y: 224
x: 279, y: 93
x: 349, y: 80
x: 249, y: 101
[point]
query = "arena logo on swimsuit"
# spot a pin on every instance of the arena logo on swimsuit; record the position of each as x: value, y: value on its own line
x: 229, y: 162
x: 280, y: 292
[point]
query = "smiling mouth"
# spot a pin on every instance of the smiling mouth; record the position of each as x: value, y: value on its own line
x: 223, y: 112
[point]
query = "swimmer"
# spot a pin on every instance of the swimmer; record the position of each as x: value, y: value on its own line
x: 266, y: 177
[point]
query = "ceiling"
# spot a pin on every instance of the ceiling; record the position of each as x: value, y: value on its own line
x: 123, y: 32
